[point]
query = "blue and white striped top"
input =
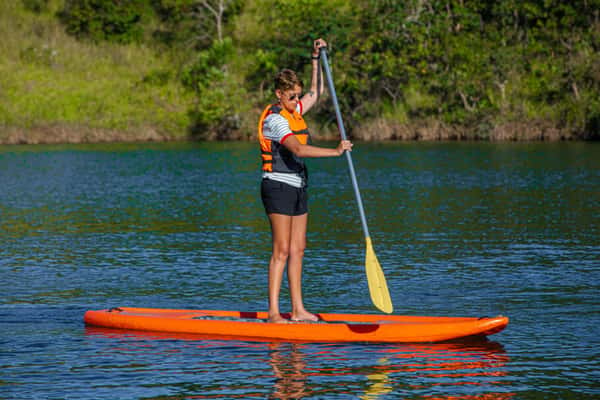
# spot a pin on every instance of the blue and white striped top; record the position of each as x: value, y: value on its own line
x: 277, y: 129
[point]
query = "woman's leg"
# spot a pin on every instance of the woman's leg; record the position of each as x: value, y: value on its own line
x: 281, y: 227
x: 296, y: 255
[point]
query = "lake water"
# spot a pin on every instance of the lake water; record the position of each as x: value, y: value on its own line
x: 460, y: 229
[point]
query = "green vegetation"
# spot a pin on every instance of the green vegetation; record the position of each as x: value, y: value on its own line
x: 54, y: 87
x: 94, y: 70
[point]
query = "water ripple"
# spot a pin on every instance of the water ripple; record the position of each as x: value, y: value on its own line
x: 460, y: 229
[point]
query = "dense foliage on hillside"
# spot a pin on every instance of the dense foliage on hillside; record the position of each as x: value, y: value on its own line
x: 429, y: 69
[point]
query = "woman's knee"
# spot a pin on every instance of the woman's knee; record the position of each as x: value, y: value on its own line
x: 297, y: 249
x: 281, y: 252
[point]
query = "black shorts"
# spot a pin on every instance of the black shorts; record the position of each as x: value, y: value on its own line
x: 281, y: 198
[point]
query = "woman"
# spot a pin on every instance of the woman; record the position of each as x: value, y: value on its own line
x: 284, y: 141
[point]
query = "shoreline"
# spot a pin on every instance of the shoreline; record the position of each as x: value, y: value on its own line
x: 375, y: 131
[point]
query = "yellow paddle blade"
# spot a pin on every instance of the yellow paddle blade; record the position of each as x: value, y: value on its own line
x: 377, y: 285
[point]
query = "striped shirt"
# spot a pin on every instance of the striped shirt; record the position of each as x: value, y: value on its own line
x: 277, y: 129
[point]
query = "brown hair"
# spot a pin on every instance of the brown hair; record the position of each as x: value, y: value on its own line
x: 287, y: 79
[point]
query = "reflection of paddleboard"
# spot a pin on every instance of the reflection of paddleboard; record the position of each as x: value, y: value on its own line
x: 329, y: 328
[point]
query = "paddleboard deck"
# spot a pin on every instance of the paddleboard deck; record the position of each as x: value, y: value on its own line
x: 329, y: 328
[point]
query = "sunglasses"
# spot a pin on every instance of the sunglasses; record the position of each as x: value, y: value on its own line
x: 295, y: 96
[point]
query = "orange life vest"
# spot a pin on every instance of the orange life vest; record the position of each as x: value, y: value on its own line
x: 275, y: 156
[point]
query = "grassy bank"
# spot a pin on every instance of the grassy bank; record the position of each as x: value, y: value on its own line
x: 54, y: 88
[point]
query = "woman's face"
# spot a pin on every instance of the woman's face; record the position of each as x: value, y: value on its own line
x: 289, y: 98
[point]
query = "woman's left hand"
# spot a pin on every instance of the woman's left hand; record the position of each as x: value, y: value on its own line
x: 317, y: 44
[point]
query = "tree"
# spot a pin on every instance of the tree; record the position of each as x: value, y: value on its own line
x: 110, y: 20
x: 211, y: 17
x: 216, y: 9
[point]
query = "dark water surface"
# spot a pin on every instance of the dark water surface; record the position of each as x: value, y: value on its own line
x: 460, y: 229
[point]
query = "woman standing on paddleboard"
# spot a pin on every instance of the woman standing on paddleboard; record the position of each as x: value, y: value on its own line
x: 284, y: 140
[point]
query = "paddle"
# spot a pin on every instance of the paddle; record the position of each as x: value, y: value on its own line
x: 375, y: 277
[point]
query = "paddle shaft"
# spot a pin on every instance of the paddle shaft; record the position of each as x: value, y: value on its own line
x: 342, y: 130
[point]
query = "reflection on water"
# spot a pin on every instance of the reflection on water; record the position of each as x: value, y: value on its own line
x: 289, y: 369
x: 310, y: 370
x: 380, y: 382
x: 479, y: 365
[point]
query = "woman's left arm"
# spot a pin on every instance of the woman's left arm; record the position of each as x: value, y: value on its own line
x: 316, y: 84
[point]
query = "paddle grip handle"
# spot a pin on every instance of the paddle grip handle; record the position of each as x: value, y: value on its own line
x: 340, y: 122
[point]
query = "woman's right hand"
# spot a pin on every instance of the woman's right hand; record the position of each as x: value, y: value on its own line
x: 345, y: 145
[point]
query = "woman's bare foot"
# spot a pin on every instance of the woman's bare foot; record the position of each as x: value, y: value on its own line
x: 277, y: 319
x: 304, y: 316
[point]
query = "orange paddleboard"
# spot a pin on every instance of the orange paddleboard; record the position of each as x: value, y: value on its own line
x: 329, y: 328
